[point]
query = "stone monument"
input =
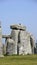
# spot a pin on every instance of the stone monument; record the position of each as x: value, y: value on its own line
x: 19, y: 41
x: 22, y: 40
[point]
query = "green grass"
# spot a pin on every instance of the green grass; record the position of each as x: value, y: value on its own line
x: 19, y: 60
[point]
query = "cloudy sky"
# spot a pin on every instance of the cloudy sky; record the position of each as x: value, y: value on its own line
x: 18, y: 11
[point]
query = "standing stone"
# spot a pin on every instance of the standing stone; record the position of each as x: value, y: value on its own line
x: 25, y: 47
x: 14, y: 35
x: 1, y: 45
x: 10, y: 47
x: 4, y: 49
x: 33, y: 45
x: 36, y: 47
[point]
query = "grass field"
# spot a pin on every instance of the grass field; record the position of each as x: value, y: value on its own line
x: 19, y: 60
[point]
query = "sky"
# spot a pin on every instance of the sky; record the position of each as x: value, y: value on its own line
x: 19, y: 11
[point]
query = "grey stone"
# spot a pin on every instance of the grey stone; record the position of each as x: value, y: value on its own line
x: 1, y: 45
x: 19, y: 41
x: 10, y: 46
x: 18, y: 27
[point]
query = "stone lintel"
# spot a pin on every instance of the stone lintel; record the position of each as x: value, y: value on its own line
x: 18, y: 27
x: 6, y: 36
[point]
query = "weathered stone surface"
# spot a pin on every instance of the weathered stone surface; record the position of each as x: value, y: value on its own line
x: 22, y: 40
x: 33, y: 45
x: 18, y: 27
x: 10, y: 45
x: 14, y: 34
x: 1, y: 45
x: 36, y: 47
x: 6, y: 36
x: 25, y: 47
x: 4, y: 49
x: 19, y: 41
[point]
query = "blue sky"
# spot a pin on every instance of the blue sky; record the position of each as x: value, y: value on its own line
x: 18, y: 11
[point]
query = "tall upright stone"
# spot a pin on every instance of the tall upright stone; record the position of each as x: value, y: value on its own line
x: 1, y: 45
x: 14, y: 35
x: 33, y: 45
x: 25, y: 47
x: 10, y: 46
